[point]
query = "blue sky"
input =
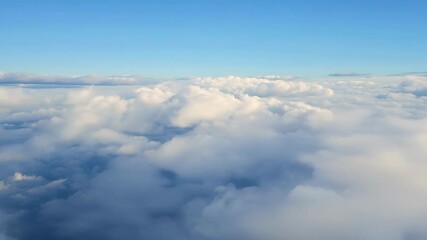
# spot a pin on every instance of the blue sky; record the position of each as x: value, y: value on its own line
x: 166, y: 38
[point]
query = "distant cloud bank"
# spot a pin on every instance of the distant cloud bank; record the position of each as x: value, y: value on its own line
x: 349, y: 75
x: 213, y: 158
x: 29, y: 78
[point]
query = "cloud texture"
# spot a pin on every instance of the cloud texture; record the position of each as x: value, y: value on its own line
x: 216, y: 158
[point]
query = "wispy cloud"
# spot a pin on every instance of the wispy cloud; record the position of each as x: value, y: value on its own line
x: 410, y: 74
x: 351, y: 74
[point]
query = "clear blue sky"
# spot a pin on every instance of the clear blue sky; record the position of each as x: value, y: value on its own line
x: 172, y: 38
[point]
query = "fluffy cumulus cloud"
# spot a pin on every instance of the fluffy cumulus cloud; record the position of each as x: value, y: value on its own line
x: 416, y: 85
x: 215, y: 158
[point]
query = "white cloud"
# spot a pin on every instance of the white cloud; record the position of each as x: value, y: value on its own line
x: 22, y: 177
x: 14, y: 98
x: 216, y: 158
x: 264, y: 86
x: 416, y: 85
x: 200, y: 105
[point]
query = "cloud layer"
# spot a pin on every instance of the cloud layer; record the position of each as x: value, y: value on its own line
x: 28, y: 78
x: 216, y: 158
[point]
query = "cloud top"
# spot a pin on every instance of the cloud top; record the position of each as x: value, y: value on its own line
x: 215, y: 158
